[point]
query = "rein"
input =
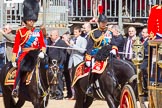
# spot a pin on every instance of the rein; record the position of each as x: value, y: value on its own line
x: 39, y: 84
x: 38, y: 79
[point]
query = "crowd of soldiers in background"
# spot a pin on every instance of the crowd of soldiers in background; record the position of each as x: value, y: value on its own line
x: 113, y: 33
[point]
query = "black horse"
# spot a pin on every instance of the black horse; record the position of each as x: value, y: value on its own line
x: 37, y: 90
x: 116, y: 74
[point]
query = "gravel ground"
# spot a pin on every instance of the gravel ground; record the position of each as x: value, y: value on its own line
x: 62, y: 104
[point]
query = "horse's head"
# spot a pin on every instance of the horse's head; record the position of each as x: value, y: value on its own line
x: 103, y: 53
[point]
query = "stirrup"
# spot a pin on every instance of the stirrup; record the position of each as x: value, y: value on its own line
x: 15, y: 93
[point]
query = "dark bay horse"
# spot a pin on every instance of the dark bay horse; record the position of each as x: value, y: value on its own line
x: 116, y: 74
x: 37, y: 90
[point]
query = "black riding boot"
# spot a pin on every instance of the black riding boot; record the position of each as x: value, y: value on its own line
x: 89, y: 91
x: 16, y: 86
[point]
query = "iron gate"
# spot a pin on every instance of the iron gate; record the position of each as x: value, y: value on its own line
x: 53, y: 13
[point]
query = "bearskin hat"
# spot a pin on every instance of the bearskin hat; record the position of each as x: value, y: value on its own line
x: 30, y: 10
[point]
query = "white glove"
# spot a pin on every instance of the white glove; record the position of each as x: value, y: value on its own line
x: 41, y: 55
x: 88, y: 63
x: 14, y: 64
x: 113, y: 51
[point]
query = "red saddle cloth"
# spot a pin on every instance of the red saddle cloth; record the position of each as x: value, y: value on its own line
x: 99, y: 67
x: 10, y: 77
x: 82, y: 71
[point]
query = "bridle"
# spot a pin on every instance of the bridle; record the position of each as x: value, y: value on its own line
x: 54, y: 69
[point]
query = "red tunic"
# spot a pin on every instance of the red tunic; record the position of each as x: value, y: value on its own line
x: 155, y: 21
x: 23, y: 35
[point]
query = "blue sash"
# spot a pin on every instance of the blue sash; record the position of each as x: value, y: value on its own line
x: 31, y: 39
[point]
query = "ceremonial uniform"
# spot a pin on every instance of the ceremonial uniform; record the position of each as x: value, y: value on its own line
x: 27, y: 38
x: 97, y: 39
x: 25, y: 41
x: 155, y: 22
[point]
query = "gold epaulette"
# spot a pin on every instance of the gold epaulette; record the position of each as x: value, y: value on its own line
x: 23, y: 35
x: 154, y: 6
x: 92, y: 31
x: 159, y: 7
x: 93, y: 38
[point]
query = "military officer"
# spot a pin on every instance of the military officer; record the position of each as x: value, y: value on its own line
x: 27, y: 38
x: 97, y: 40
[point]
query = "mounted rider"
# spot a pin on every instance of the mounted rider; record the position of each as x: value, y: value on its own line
x: 97, y: 40
x: 27, y: 38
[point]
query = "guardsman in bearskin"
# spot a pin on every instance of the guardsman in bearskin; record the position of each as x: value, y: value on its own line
x: 155, y: 22
x: 96, y: 41
x: 27, y: 38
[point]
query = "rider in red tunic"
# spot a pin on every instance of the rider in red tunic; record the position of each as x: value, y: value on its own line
x: 155, y: 22
x: 27, y: 38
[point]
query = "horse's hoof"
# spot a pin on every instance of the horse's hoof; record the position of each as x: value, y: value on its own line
x: 72, y: 98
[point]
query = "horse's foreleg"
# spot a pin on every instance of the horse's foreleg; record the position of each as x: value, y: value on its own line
x: 36, y: 102
x: 87, y: 102
x: 9, y: 102
x: 20, y: 103
x: 44, y: 102
x: 79, y: 98
x: 110, y: 101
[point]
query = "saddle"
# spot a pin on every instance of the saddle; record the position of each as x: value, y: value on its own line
x: 11, y: 74
x: 82, y: 71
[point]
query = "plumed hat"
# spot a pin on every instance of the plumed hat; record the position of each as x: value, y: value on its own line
x: 30, y: 10
x: 102, y: 17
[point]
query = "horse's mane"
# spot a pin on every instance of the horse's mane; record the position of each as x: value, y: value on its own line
x: 122, y: 66
x: 29, y: 61
x: 103, y: 53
